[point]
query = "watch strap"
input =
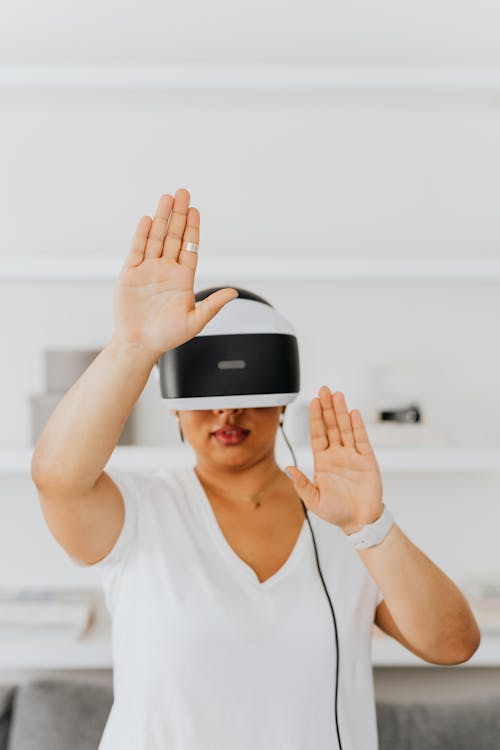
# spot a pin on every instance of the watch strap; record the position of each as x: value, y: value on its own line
x: 373, y: 533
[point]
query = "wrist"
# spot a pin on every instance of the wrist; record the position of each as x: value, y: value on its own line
x: 139, y: 353
x: 372, y: 533
x: 353, y: 528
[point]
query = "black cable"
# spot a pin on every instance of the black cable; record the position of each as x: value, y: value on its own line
x: 327, y: 596
x: 324, y: 586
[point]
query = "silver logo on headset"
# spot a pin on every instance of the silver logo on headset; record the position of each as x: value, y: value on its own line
x: 231, y: 364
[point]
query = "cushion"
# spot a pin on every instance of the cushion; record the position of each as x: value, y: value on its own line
x: 464, y: 725
x: 59, y: 715
x: 6, y: 699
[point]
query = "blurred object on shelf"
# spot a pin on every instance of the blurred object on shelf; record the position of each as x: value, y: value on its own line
x: 63, y: 367
x: 398, y: 417
x: 401, y: 431
x: 42, y: 611
x: 483, y: 595
x: 406, y: 414
x: 397, y: 388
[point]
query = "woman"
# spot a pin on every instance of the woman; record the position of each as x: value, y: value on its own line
x: 222, y: 634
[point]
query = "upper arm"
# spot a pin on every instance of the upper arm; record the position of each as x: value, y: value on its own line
x: 85, y: 525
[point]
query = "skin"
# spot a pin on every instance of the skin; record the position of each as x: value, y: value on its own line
x: 235, y: 472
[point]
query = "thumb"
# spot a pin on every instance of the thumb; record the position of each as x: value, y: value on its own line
x: 306, y: 490
x: 210, y: 306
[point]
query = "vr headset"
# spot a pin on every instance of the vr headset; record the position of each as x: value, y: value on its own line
x: 246, y: 356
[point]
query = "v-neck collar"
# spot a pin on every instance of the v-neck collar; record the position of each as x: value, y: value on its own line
x: 228, y: 551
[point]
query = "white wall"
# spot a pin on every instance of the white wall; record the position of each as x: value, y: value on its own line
x: 431, y: 31
x: 284, y: 174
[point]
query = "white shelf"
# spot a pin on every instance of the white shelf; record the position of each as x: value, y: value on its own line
x: 364, y: 79
x: 45, y: 651
x: 93, y: 651
x: 264, y: 267
x: 407, y: 458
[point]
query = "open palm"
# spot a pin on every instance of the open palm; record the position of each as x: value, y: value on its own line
x: 347, y: 486
x: 154, y: 299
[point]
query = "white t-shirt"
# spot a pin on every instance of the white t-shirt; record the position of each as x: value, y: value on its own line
x: 206, y: 657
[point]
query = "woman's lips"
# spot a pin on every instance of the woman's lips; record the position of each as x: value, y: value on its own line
x: 231, y: 438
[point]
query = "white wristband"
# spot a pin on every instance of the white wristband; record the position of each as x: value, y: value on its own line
x: 373, y: 533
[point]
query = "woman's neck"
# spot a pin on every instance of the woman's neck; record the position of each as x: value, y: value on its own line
x: 243, y: 488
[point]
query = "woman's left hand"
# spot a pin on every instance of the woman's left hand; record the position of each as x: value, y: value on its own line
x: 347, y: 487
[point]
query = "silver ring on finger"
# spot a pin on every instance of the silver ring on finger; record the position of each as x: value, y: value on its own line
x: 191, y: 247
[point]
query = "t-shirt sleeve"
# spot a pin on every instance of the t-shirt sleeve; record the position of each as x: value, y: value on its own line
x: 380, y: 596
x: 127, y: 485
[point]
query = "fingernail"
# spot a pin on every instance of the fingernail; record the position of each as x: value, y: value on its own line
x: 288, y: 474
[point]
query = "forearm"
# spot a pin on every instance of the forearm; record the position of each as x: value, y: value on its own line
x: 84, y: 428
x: 429, y: 609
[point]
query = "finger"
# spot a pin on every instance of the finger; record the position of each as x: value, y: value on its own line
x: 305, y: 488
x: 177, y: 223
x: 208, y: 308
x: 343, y: 419
x: 332, y: 427
x: 158, y: 231
x: 191, y: 234
x: 319, y: 439
x: 363, y: 444
x: 135, y: 255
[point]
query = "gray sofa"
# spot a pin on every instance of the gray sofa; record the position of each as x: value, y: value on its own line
x: 62, y: 715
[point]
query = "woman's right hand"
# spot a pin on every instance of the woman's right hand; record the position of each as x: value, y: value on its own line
x: 154, y: 298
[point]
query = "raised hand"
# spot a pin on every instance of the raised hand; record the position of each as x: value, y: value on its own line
x: 347, y: 486
x: 154, y: 298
